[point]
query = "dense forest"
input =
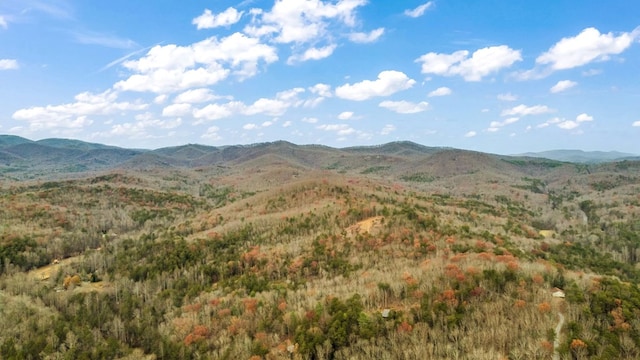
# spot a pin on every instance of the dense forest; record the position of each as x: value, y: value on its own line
x: 267, y: 259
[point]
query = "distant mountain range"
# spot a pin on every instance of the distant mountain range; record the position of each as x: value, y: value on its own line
x: 22, y: 158
x: 579, y: 156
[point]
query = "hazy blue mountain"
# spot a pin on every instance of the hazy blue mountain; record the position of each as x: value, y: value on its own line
x: 579, y: 156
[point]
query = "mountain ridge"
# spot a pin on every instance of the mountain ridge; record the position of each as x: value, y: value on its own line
x: 24, y: 158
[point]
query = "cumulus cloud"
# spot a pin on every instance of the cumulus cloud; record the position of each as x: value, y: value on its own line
x: 309, y: 120
x: 306, y: 22
x: 293, y: 21
x: 570, y: 52
x: 171, y: 68
x: 320, y: 89
x: 76, y: 114
x: 209, y: 20
x: 273, y: 107
x: 441, y: 91
x: 312, y: 54
x: 419, y: 11
x: 388, y: 82
x: 217, y: 111
x: 481, y: 63
x: 470, y: 134
x: 345, y: 115
x: 567, y: 124
x: 362, y: 38
x: 405, y: 107
x: 3, y: 22
x: 8, y: 64
x: 590, y: 45
x: 194, y: 96
x: 176, y: 110
x: 339, y: 129
x: 523, y: 110
x: 507, y: 97
x: 636, y: 123
x: 562, y: 85
x: 496, y: 125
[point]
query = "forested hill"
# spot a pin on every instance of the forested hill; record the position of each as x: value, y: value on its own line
x: 281, y: 251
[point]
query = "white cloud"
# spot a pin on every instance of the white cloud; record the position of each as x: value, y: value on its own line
x: 320, y: 89
x: 345, y: 115
x: 312, y: 54
x: 250, y: 126
x: 387, y: 129
x: 295, y: 21
x: 388, y: 82
x: 566, y: 124
x: 507, y: 97
x: 75, y: 115
x: 208, y: 20
x: 194, y: 96
x: 584, y: 118
x: 636, y: 123
x: 217, y: 111
x: 523, y: 110
x: 176, y: 110
x: 8, y: 64
x: 339, y: 129
x: 590, y: 45
x: 171, y: 68
x: 363, y: 38
x: 287, y: 124
x: 273, y: 107
x: 441, y: 91
x: 3, y: 22
x: 481, y: 63
x: 419, y: 11
x: 309, y: 120
x: 165, y: 81
x: 563, y: 85
x: 405, y: 107
x: 160, y: 99
x: 496, y: 125
x: 470, y: 134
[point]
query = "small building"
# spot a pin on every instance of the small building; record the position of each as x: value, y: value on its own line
x: 557, y: 293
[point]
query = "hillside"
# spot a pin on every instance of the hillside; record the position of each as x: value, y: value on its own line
x: 280, y: 251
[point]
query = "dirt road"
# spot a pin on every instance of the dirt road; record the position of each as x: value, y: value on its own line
x: 556, y: 342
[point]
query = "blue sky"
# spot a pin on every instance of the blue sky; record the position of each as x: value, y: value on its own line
x: 495, y: 76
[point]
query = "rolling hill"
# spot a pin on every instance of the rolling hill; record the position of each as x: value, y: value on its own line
x: 280, y: 251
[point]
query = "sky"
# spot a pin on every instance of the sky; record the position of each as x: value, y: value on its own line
x: 495, y: 76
